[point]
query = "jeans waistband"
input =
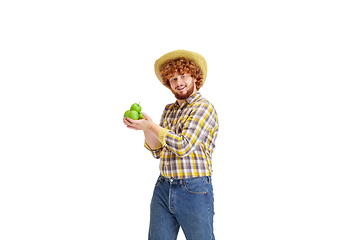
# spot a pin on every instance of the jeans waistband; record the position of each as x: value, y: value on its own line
x: 207, y: 179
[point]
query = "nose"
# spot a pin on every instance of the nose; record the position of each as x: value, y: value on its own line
x: 179, y: 81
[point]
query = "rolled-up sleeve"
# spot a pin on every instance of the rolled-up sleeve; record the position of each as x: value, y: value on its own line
x: 156, y: 151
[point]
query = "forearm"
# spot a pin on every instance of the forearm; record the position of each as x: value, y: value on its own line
x: 151, y: 139
x: 155, y: 134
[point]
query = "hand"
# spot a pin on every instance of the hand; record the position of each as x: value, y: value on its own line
x: 142, y: 124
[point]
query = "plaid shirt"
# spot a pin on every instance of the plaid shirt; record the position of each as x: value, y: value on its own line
x: 187, y: 142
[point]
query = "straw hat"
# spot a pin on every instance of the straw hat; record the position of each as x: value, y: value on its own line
x: 192, y: 56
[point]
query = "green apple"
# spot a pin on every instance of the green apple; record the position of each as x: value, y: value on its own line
x: 141, y: 116
x: 134, y: 115
x: 126, y: 114
x: 136, y: 107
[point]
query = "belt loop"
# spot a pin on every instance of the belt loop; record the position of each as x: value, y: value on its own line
x: 209, y: 179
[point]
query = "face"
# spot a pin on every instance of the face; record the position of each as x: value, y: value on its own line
x: 182, y: 86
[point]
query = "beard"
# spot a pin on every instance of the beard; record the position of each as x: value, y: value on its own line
x: 185, y: 95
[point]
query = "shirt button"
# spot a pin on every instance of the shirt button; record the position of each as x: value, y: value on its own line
x: 167, y: 163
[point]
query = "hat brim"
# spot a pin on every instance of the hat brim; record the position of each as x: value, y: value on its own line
x: 191, y: 56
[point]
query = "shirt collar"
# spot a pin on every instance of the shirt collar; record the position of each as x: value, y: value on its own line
x: 193, y: 97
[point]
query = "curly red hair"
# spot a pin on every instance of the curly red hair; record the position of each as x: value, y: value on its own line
x: 182, y: 66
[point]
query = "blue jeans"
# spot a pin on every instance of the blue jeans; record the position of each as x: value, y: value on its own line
x: 188, y: 203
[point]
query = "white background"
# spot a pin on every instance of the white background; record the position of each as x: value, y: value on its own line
x: 283, y: 76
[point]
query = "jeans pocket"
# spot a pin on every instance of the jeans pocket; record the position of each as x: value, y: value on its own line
x: 196, y: 187
x: 158, y: 181
x: 210, y: 190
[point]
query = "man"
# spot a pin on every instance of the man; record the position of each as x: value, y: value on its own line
x: 184, y: 142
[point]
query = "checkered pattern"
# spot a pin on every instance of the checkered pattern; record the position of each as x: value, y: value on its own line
x: 189, y: 141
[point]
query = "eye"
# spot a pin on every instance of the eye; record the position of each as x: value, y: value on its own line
x: 183, y: 76
x: 173, y: 79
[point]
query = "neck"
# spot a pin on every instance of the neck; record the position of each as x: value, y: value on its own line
x: 180, y: 102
